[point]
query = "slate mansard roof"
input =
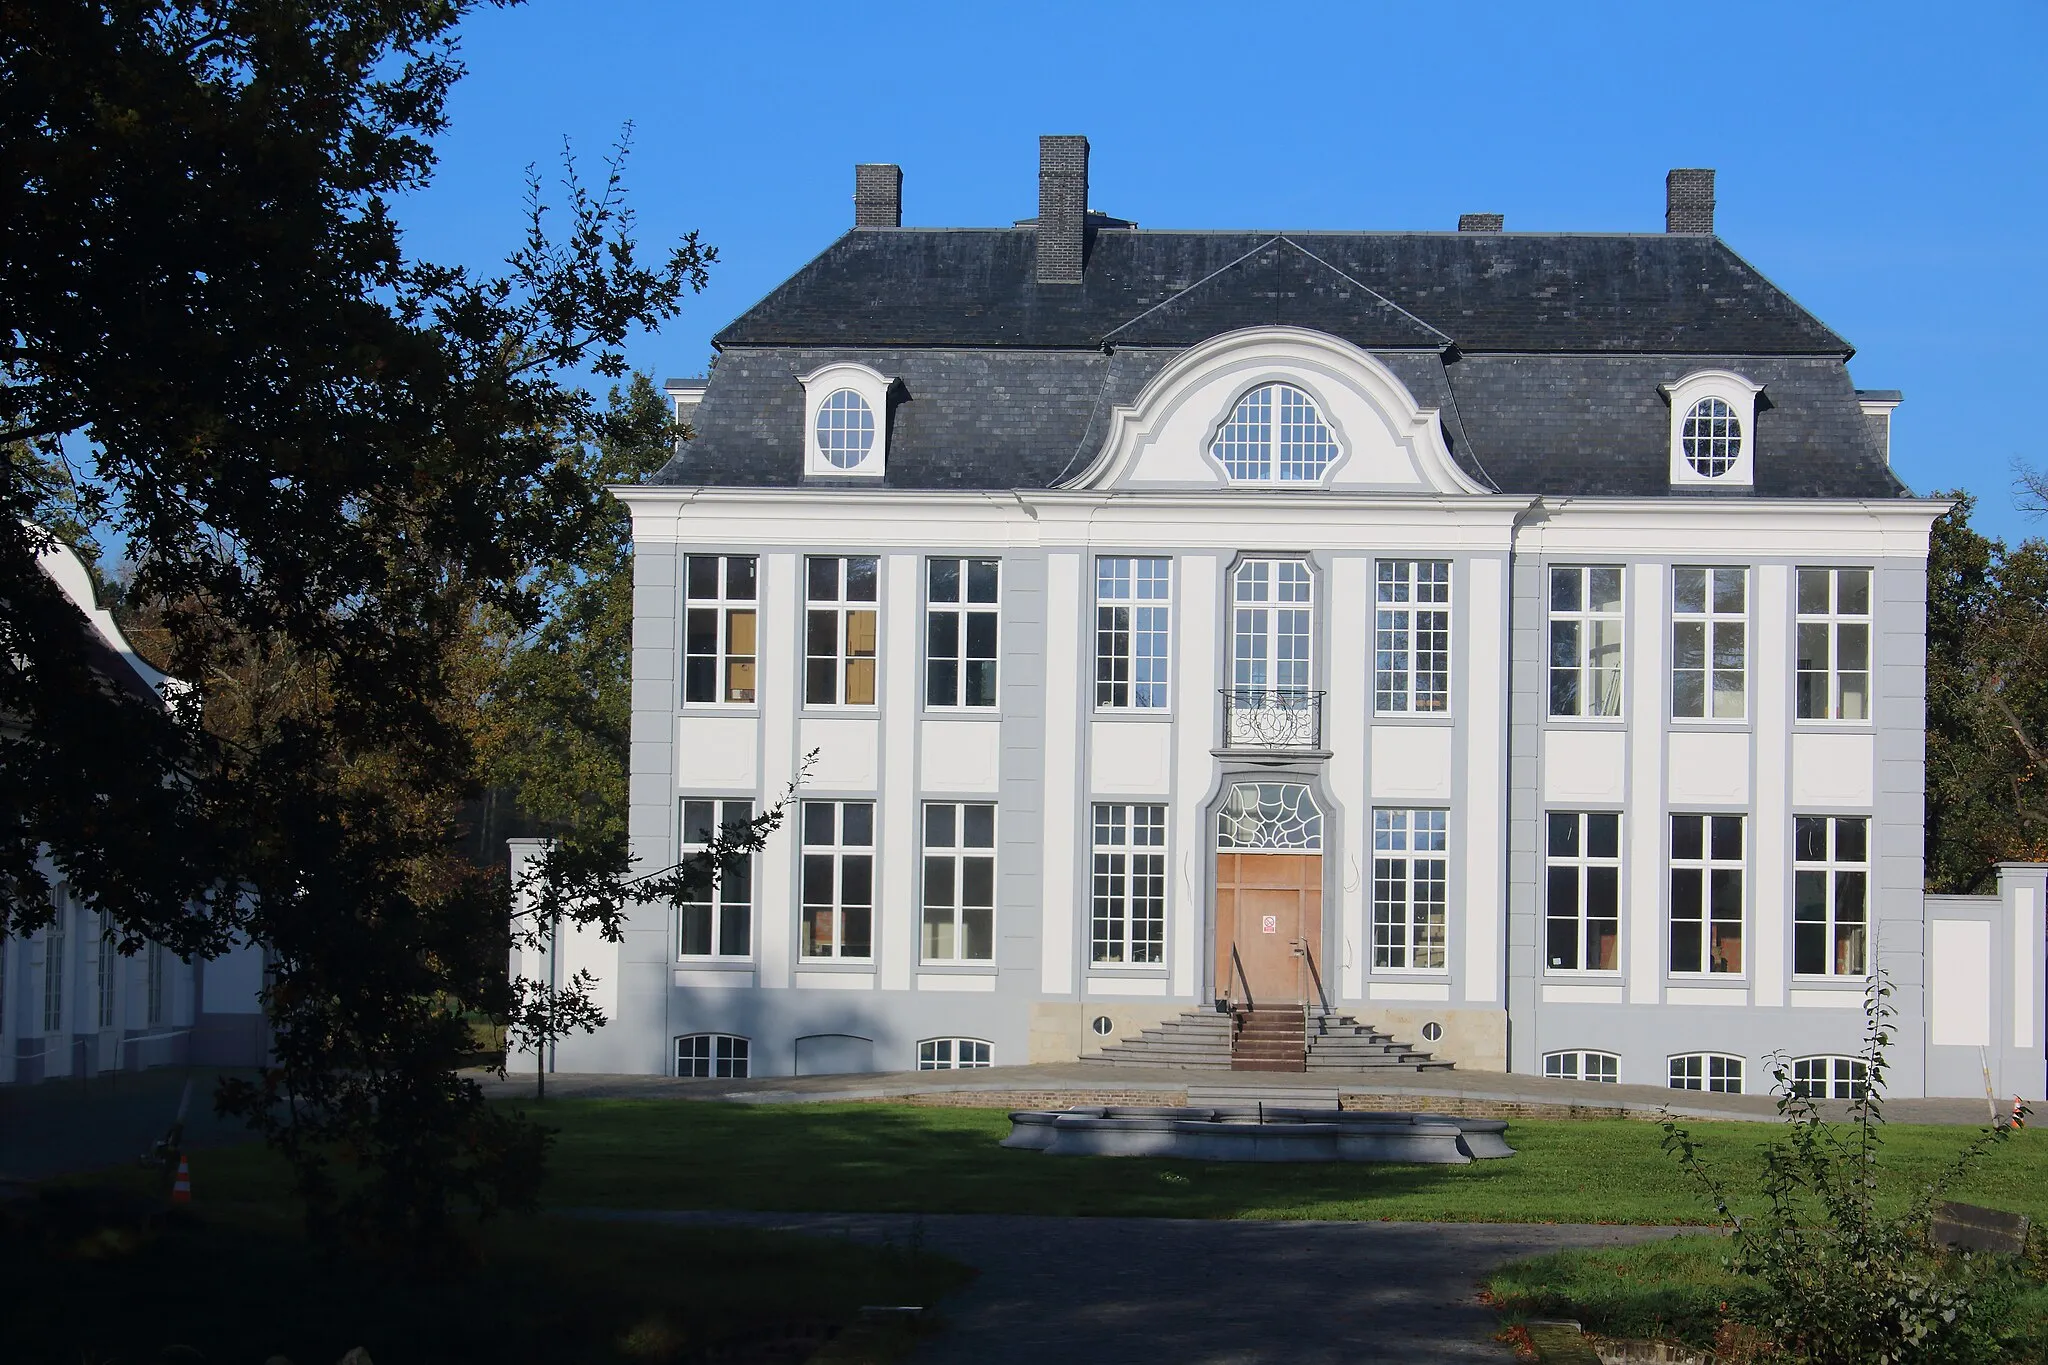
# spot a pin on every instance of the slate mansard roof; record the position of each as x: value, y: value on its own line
x: 1543, y: 352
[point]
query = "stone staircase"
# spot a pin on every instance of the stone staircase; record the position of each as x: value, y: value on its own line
x: 1270, y: 1040
x: 1326, y: 1042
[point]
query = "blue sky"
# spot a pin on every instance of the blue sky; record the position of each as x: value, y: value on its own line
x: 1883, y: 162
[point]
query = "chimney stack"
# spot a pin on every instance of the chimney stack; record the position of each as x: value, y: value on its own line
x: 1480, y: 222
x: 877, y: 195
x: 1062, y: 208
x: 1689, y: 201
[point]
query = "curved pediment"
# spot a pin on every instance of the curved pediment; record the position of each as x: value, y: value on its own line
x: 1185, y: 430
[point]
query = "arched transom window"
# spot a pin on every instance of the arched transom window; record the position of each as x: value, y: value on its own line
x: 1275, y: 435
x: 1270, y: 816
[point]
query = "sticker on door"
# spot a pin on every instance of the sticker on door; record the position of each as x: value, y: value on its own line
x: 1269, y: 924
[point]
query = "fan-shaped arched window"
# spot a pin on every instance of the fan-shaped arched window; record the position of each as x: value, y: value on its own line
x: 1270, y: 815
x: 1275, y: 435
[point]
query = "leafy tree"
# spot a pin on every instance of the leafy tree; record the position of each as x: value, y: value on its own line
x: 333, y: 465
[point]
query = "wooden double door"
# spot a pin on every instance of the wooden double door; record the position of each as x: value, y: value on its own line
x: 1269, y: 922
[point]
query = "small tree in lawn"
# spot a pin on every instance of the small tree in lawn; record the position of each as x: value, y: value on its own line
x: 587, y: 884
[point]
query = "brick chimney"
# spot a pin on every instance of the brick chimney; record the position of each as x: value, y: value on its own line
x: 1062, y: 208
x: 1480, y: 222
x: 1689, y: 201
x: 877, y: 195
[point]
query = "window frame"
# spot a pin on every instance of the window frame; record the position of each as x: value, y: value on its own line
x: 1144, y: 619
x: 957, y: 853
x: 1833, y: 621
x: 1275, y: 454
x: 1841, y: 1082
x: 841, y: 855
x: 1579, y: 1056
x: 1704, y: 869
x: 1583, y: 669
x: 721, y: 1057
x: 841, y: 610
x: 962, y: 612
x: 726, y: 611
x: 56, y: 954
x: 1727, y: 1063
x: 1388, y: 917
x: 1581, y: 865
x: 929, y: 1060
x: 1710, y: 621
x: 107, y: 981
x: 718, y: 909
x: 1833, y: 870
x: 1398, y: 627
x: 1271, y: 635
x: 1121, y: 892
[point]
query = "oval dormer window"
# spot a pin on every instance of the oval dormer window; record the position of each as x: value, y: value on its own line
x: 1712, y: 438
x: 1275, y: 435
x: 845, y: 429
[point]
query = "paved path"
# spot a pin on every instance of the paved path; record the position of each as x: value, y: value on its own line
x: 1133, y: 1291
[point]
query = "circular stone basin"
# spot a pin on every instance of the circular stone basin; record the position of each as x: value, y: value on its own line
x: 1258, y: 1133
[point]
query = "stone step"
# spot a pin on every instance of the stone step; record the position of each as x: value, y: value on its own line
x: 1265, y: 1064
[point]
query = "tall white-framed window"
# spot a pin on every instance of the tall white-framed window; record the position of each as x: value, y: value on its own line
x: 1411, y: 636
x: 1275, y: 435
x: 155, y: 997
x: 106, y: 979
x: 705, y: 1056
x: 1707, y: 1071
x: 1128, y: 918
x: 1582, y: 891
x: 1830, y: 1078
x: 1272, y: 626
x: 720, y: 629
x: 1410, y: 888
x: 1707, y: 856
x: 953, y: 1054
x: 718, y: 920
x: 1585, y: 639
x: 841, y: 629
x: 1710, y: 642
x: 961, y: 618
x: 1830, y: 895
x: 1133, y: 624
x: 959, y: 881
x: 55, y: 961
x: 1834, y: 644
x: 1582, y: 1066
x: 839, y: 879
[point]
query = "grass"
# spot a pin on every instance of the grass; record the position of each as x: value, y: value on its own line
x: 1678, y: 1290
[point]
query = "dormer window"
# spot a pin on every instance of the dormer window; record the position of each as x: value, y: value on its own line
x: 846, y: 422
x: 1275, y: 435
x: 1713, y: 425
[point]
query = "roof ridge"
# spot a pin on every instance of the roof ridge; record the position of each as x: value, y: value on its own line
x: 1178, y: 293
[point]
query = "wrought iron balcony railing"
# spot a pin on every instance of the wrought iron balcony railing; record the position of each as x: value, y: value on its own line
x: 1272, y: 718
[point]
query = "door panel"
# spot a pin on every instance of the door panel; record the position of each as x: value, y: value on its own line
x: 1269, y: 906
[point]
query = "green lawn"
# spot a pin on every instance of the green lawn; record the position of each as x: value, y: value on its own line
x: 869, y: 1157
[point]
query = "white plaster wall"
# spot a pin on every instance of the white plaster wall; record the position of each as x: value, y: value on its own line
x: 717, y: 753
x: 1130, y: 758
x: 1410, y: 763
x: 1709, y: 768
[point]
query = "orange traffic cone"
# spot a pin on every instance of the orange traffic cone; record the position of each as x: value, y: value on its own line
x: 2019, y: 1113
x: 181, y: 1188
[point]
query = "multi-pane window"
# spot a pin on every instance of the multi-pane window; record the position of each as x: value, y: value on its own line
x: 1129, y: 918
x: 1830, y: 894
x: 960, y: 631
x: 1582, y: 1066
x: 1709, y: 642
x: 718, y: 919
x: 1706, y: 893
x: 1830, y: 1078
x: 839, y: 879
x: 1834, y: 644
x: 1410, y: 880
x: 155, y: 983
x: 1412, y: 635
x: 959, y: 882
x: 1585, y: 640
x: 1582, y: 863
x: 839, y: 630
x: 952, y: 1054
x: 106, y: 978
x: 720, y: 624
x: 1132, y: 608
x: 1707, y: 1071
x: 708, y: 1055
x: 1275, y: 433
x: 53, y: 970
x: 1273, y: 605
x: 845, y: 429
x: 1712, y: 437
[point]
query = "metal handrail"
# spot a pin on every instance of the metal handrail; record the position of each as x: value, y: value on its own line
x: 1272, y: 717
x: 1309, y: 956
x: 1238, y: 978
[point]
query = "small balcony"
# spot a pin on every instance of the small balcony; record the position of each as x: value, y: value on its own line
x: 1272, y: 718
